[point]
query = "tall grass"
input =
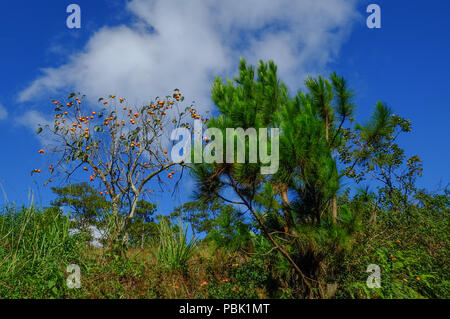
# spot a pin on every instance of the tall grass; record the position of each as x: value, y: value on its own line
x: 175, y: 248
x: 35, y: 248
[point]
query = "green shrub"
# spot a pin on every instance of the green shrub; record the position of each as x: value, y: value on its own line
x: 248, y: 280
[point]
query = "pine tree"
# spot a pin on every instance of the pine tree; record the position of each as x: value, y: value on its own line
x: 313, y: 137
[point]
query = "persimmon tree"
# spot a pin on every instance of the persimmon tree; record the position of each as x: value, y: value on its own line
x: 118, y: 147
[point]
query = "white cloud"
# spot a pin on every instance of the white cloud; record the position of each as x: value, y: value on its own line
x: 194, y: 40
x: 3, y: 112
x: 33, y: 120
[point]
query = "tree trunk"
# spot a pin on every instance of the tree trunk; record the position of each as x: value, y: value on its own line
x: 334, y: 209
x: 373, y: 217
x: 286, y: 207
x: 334, y: 206
x: 271, y: 239
x: 114, y: 229
x: 127, y: 220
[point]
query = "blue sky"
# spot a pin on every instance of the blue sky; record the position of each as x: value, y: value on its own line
x: 404, y: 64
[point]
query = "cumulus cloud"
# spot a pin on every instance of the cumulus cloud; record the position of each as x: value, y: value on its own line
x: 33, y: 119
x: 183, y: 44
x: 3, y: 112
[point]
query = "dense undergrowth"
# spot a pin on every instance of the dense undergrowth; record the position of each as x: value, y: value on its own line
x: 410, y: 247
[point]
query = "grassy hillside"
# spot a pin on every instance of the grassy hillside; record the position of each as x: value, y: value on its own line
x: 411, y: 248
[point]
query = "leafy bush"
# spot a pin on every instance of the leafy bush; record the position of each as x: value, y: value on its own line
x: 411, y: 248
x: 248, y: 280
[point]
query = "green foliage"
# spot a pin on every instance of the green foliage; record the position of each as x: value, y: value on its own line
x: 35, y: 249
x: 143, y: 228
x: 87, y: 208
x: 297, y: 208
x: 305, y: 151
x: 82, y: 199
x: 230, y: 231
x: 223, y: 225
x: 410, y: 246
x: 246, y: 281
